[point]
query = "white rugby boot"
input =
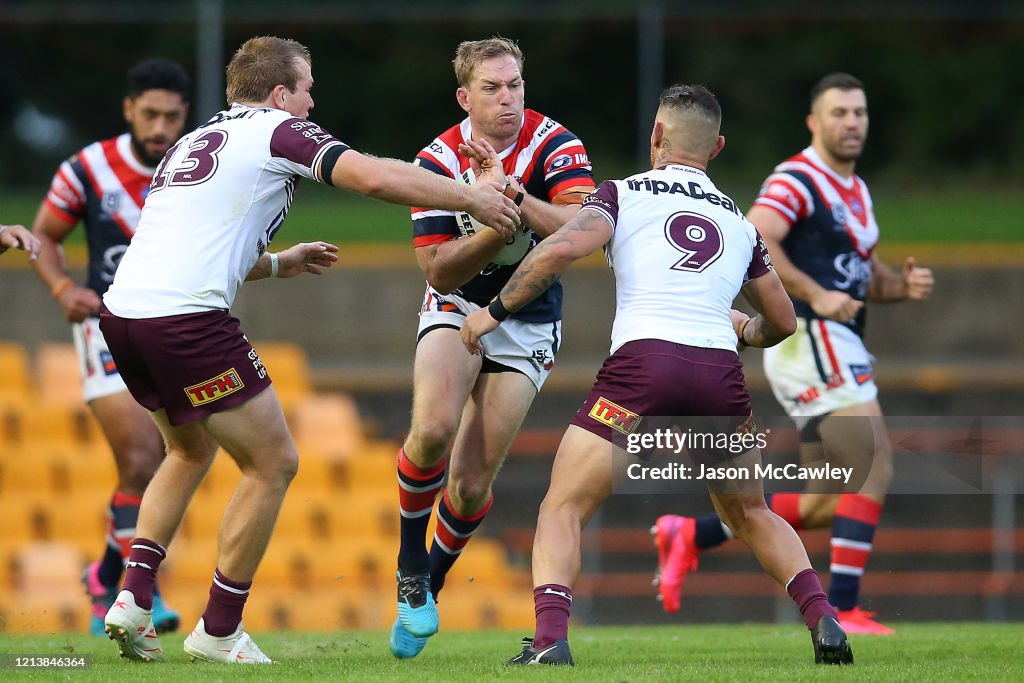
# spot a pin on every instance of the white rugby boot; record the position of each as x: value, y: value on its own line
x: 131, y: 627
x: 237, y: 648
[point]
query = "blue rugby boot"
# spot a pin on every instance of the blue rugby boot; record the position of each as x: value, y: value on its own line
x: 405, y: 645
x: 416, y: 608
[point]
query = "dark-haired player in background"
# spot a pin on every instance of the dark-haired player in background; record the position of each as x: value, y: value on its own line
x: 103, y: 186
x: 816, y: 216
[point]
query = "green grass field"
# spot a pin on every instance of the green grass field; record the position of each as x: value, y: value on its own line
x: 324, y: 213
x: 918, y: 652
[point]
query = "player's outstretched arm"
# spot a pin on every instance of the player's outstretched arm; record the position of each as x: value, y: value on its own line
x: 588, y: 231
x: 399, y: 182
x: 776, y: 319
x: 888, y: 285
x: 306, y: 257
x: 18, y: 237
x: 827, y: 303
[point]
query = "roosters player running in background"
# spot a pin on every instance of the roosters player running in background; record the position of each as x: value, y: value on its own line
x: 816, y: 216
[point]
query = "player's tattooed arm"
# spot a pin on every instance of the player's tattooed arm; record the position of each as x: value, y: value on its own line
x: 528, y: 282
x: 586, y: 232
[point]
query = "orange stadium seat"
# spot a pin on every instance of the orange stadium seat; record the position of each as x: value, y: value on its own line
x: 84, y: 472
x: 190, y: 561
x: 324, y: 471
x: 26, y: 518
x: 58, y: 377
x: 475, y: 607
x: 79, y: 520
x: 56, y: 468
x: 295, y: 563
x: 288, y: 366
x: 39, y: 614
x: 483, y: 560
x: 339, y: 608
x: 326, y: 423
x: 203, y: 517
x: 359, y: 513
x: 12, y: 412
x: 376, y: 468
x: 28, y: 474
x: 319, y: 473
x: 220, y: 482
x: 14, y: 371
x: 56, y: 421
x: 49, y: 571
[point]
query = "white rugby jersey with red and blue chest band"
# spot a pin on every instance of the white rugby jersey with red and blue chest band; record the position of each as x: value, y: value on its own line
x: 104, y: 186
x: 216, y: 201
x: 681, y: 251
x: 546, y: 158
x: 832, y: 228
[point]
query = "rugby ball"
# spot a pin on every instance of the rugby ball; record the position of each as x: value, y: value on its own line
x: 516, y: 246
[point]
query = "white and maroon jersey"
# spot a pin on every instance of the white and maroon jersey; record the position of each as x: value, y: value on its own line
x: 832, y: 228
x: 681, y: 251
x: 104, y: 186
x: 546, y: 159
x: 217, y: 200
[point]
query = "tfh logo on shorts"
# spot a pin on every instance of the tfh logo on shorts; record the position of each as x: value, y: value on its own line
x: 615, y: 416
x: 215, y: 388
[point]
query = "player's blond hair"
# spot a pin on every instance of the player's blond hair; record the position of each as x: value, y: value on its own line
x: 262, y: 64
x: 471, y: 52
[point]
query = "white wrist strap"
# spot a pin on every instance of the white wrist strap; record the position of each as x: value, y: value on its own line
x: 274, y: 265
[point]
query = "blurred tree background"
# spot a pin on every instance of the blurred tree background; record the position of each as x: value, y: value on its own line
x: 944, y: 80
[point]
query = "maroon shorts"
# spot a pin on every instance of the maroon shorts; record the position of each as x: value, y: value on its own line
x: 191, y: 365
x: 651, y: 378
